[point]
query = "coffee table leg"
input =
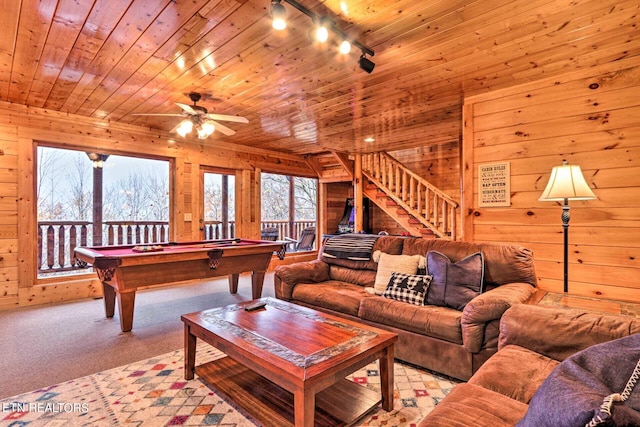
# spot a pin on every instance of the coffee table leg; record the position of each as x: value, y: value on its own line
x: 386, y: 378
x: 304, y: 408
x: 189, y: 353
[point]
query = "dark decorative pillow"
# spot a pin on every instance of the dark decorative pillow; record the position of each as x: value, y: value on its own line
x: 454, y: 284
x: 575, y: 392
x: 409, y: 288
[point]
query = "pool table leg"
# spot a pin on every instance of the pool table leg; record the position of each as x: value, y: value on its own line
x: 257, y: 279
x: 109, y: 295
x: 126, y: 301
x: 233, y: 283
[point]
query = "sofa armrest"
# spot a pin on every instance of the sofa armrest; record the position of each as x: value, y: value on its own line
x: 490, y: 306
x: 560, y: 332
x: 288, y: 276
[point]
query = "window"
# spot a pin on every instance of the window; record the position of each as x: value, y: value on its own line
x: 289, y: 206
x: 89, y: 199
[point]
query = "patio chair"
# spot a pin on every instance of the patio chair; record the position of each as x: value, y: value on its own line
x: 269, y: 233
x: 305, y: 240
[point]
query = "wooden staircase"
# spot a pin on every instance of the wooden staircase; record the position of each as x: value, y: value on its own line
x: 418, y: 206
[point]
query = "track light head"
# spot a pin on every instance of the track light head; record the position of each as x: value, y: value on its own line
x: 345, y: 47
x: 278, y: 15
x: 322, y: 28
x: 366, y: 64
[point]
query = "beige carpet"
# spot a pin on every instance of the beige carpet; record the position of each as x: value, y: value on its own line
x: 53, y: 343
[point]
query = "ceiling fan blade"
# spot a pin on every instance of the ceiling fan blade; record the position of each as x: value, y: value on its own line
x: 186, y: 108
x: 223, y: 129
x: 223, y: 117
x: 151, y: 114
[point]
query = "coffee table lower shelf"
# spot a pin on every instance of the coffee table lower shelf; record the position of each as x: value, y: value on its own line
x: 342, y: 404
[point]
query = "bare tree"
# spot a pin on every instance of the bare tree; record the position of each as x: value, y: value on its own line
x: 49, y: 206
x: 275, y: 197
x: 80, y: 187
x: 212, y: 201
x: 306, y: 196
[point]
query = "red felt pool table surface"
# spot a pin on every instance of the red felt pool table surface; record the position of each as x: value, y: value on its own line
x: 124, y: 269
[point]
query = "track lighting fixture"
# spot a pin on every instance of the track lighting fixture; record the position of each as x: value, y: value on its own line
x: 322, y: 29
x: 323, y: 25
x: 279, y: 15
x: 345, y: 47
x: 366, y: 64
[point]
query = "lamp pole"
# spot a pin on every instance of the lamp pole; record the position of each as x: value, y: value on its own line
x: 566, y: 216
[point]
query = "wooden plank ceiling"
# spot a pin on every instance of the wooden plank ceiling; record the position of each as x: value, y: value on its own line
x: 110, y: 58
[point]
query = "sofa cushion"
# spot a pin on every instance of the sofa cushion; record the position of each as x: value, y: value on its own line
x: 470, y: 405
x: 434, y: 321
x: 332, y: 294
x: 388, y: 264
x: 517, y: 380
x: 411, y: 288
x: 574, y: 392
x: 503, y: 263
x: 572, y: 330
x: 454, y: 284
x: 357, y: 277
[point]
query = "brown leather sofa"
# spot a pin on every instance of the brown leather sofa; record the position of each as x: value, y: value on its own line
x: 533, y: 341
x: 442, y: 339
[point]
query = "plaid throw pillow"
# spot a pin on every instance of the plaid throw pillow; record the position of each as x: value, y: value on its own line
x: 410, y: 288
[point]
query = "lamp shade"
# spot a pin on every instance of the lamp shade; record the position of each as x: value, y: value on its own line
x: 567, y: 182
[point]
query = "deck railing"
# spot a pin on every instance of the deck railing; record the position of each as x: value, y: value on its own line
x: 57, y: 239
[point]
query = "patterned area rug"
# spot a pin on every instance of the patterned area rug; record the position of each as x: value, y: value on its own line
x: 154, y: 392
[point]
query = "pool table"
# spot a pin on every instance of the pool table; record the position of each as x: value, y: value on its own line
x: 124, y: 269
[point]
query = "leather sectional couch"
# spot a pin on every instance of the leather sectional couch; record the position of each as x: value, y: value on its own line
x: 532, y: 343
x: 452, y: 341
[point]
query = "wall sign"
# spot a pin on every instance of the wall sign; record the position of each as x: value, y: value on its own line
x: 494, y: 184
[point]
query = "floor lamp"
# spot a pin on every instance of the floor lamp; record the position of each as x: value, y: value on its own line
x: 566, y: 183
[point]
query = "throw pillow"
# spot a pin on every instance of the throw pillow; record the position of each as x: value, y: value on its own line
x: 409, y: 288
x: 454, y: 284
x: 388, y: 264
x: 592, y: 387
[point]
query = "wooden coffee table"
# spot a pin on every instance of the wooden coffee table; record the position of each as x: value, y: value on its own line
x: 286, y: 364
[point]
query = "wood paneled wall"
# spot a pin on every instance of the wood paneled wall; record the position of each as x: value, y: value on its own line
x: 590, y: 118
x: 22, y: 128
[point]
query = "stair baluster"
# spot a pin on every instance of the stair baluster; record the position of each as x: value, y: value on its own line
x: 423, y: 204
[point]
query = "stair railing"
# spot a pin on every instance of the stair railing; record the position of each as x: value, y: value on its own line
x: 429, y: 205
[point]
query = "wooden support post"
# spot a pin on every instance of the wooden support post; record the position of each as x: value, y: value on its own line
x: 97, y: 206
x: 358, y: 195
x: 225, y: 206
x: 292, y: 208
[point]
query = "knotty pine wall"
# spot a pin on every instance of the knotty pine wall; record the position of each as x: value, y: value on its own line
x: 22, y: 128
x: 590, y: 118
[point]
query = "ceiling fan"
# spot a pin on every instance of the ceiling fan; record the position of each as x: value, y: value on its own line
x: 198, y: 117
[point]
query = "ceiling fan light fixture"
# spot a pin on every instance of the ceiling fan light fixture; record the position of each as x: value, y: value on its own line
x: 205, y: 130
x: 278, y: 15
x: 184, y: 127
